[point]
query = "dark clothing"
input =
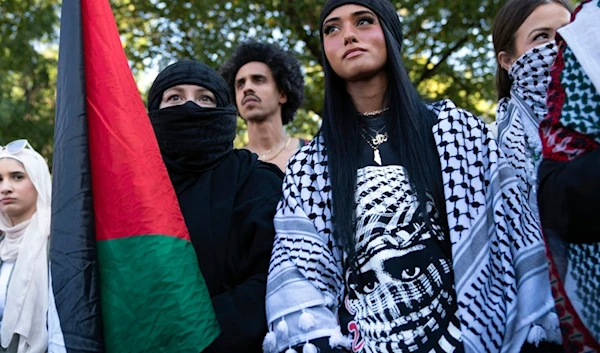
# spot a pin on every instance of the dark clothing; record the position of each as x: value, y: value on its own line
x: 542, y: 347
x: 388, y: 155
x: 229, y: 213
x: 567, y: 195
x: 227, y: 198
x: 193, y: 139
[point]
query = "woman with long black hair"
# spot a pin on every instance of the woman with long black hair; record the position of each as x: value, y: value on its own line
x: 401, y: 222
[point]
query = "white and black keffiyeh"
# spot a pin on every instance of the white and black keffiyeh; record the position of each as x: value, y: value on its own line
x: 518, y: 116
x: 498, y: 255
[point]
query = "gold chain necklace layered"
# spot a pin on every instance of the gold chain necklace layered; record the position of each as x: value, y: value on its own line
x: 374, y: 142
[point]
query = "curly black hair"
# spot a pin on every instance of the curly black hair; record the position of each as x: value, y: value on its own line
x: 284, y: 66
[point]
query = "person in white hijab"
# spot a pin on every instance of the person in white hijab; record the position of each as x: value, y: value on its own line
x: 25, y: 196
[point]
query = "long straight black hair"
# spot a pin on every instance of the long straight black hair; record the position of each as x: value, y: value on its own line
x: 409, y: 124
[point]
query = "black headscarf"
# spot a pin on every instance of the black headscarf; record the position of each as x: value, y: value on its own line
x: 192, y: 139
x: 188, y: 72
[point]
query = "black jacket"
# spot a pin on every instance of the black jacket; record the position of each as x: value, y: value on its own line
x: 568, y: 195
x: 229, y: 213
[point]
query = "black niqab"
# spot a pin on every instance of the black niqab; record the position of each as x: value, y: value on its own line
x: 192, y: 139
x: 227, y: 198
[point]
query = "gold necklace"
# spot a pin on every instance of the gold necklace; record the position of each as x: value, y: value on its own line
x: 278, y: 152
x: 375, y: 112
x: 262, y: 155
x: 375, y: 142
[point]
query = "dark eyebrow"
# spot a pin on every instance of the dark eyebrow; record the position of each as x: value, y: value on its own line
x: 255, y: 76
x: 174, y: 88
x: 14, y: 173
x: 354, y: 14
x: 539, y: 29
x: 252, y: 77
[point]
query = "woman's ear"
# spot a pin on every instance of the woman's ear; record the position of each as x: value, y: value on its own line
x: 505, y: 60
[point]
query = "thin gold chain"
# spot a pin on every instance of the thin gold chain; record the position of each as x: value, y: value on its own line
x: 281, y: 150
x: 383, y: 138
x: 375, y: 112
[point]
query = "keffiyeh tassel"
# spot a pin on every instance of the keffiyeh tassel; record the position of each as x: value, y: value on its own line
x: 270, y: 343
x: 282, y: 328
x: 337, y: 339
x: 552, y: 327
x: 306, y: 321
x: 536, y: 335
x: 309, y: 348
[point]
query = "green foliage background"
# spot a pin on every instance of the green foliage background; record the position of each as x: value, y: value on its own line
x: 447, y: 49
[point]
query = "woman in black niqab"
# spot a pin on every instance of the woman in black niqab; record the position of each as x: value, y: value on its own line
x: 227, y: 198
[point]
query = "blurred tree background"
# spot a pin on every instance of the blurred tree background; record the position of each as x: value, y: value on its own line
x: 447, y: 50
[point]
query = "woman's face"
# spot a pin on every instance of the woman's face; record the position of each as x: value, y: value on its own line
x: 18, y: 196
x: 354, y: 42
x: 539, y: 28
x: 180, y: 94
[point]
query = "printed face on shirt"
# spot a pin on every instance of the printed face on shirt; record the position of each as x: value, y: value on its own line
x: 539, y: 28
x: 181, y: 94
x: 256, y: 93
x: 18, y: 196
x: 354, y: 42
x: 401, y: 294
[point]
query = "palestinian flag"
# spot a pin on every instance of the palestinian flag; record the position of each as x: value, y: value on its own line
x: 124, y: 274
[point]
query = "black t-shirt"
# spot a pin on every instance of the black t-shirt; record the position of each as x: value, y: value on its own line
x: 400, y: 297
x: 388, y: 155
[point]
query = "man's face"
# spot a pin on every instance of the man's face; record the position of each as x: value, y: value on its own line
x: 256, y: 93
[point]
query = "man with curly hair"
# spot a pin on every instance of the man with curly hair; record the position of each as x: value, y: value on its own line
x: 268, y: 86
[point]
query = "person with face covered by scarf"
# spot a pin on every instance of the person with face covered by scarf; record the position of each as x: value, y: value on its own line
x: 25, y: 193
x: 227, y: 197
x: 523, y: 36
x: 569, y: 178
x: 402, y: 227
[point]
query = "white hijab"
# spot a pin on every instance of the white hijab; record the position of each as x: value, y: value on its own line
x: 27, y: 294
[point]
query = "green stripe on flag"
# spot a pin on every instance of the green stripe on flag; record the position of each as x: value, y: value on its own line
x: 154, y: 298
